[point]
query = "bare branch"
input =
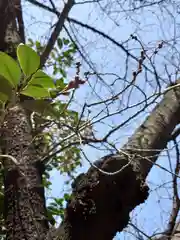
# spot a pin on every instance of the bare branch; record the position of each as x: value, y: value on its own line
x: 56, y: 31
x: 38, y: 4
x: 108, y: 194
x: 176, y: 200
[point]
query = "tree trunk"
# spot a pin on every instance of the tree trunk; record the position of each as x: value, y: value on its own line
x: 100, y: 203
x: 24, y: 201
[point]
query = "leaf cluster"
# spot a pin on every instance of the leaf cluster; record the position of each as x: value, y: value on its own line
x: 52, y: 121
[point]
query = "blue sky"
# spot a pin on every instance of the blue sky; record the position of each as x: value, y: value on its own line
x: 150, y: 27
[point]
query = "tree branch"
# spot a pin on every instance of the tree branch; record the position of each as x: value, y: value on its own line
x: 103, y: 203
x: 56, y: 32
x: 52, y: 10
x: 176, y: 201
x: 38, y: 4
x: 105, y: 36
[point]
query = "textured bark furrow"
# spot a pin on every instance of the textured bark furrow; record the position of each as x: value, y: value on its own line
x: 23, y: 208
x: 9, y: 36
x: 25, y: 211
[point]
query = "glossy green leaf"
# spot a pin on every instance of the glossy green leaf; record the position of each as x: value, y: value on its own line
x: 29, y: 60
x: 36, y: 92
x: 42, y: 79
x: 9, y: 69
x: 5, y: 87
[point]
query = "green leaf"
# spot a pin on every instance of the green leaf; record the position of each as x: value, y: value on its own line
x: 3, y: 100
x: 41, y: 106
x: 66, y: 41
x: 6, y: 87
x: 63, y: 73
x: 36, y: 105
x: 53, y: 210
x: 59, y: 201
x: 53, y: 55
x: 38, y: 44
x: 50, y: 217
x: 47, y: 184
x: 59, y: 43
x: 3, y: 97
x: 66, y: 197
x: 73, y: 47
x: 74, y: 114
x: 60, y: 84
x: 42, y: 79
x: 66, y: 54
x: 29, y: 60
x: 9, y: 69
x: 55, y: 69
x: 35, y: 91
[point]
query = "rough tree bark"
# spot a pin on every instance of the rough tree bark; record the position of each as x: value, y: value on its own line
x: 100, y: 203
x: 24, y: 201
